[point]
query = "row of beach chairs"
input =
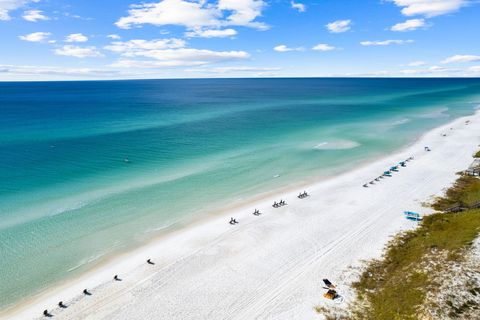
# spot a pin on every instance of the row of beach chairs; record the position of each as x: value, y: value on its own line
x: 276, y: 204
x: 85, y: 292
x: 388, y: 173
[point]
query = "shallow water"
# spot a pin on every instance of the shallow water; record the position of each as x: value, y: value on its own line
x: 92, y: 168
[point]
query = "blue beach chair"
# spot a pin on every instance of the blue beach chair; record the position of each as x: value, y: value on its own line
x: 412, y: 216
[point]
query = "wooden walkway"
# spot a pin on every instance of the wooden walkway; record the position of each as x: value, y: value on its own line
x: 474, y: 168
x: 460, y: 208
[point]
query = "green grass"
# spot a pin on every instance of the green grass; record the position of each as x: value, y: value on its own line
x: 465, y: 192
x: 477, y: 155
x: 395, y: 286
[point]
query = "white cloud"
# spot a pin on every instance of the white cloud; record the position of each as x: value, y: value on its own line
x: 175, y: 12
x: 179, y: 57
x: 429, y: 8
x: 129, y: 48
x: 416, y: 63
x: 339, y: 26
x: 385, y: 42
x: 243, y: 12
x: 461, y: 58
x: 197, y: 56
x: 409, y: 25
x: 76, y: 16
x: 9, y: 5
x: 298, y: 6
x: 235, y: 69
x: 167, y: 53
x: 474, y: 69
x: 76, y: 37
x: 195, y: 14
x: 433, y: 71
x: 430, y: 70
x: 211, y: 33
x: 56, y: 71
x: 438, y: 69
x: 34, y: 15
x: 284, y: 48
x: 78, y: 52
x: 114, y: 36
x: 36, y: 36
x: 323, y: 47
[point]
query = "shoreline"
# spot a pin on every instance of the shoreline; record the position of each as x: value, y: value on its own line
x: 213, y: 230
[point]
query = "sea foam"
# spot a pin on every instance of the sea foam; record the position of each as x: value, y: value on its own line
x: 337, y: 145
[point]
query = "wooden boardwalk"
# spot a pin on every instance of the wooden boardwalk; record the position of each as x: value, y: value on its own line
x: 474, y: 168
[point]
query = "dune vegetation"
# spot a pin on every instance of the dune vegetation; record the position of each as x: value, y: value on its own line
x: 414, y: 278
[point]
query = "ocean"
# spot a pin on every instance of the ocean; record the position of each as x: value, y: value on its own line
x: 89, y: 169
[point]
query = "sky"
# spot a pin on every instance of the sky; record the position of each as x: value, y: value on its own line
x: 131, y: 39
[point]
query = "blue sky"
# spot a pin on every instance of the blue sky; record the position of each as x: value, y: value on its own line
x: 118, y: 39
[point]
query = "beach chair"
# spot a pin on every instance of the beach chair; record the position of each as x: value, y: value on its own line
x: 331, y: 294
x: 412, y: 216
x: 328, y: 283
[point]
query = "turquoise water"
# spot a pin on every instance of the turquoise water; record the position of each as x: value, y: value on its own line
x: 89, y: 169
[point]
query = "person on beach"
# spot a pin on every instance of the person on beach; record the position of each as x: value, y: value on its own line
x: 85, y: 292
x: 116, y: 278
x: 149, y: 261
x: 61, y: 305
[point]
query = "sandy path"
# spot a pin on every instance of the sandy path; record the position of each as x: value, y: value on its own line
x: 271, y: 266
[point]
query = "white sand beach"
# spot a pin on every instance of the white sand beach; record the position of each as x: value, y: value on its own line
x: 270, y: 266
